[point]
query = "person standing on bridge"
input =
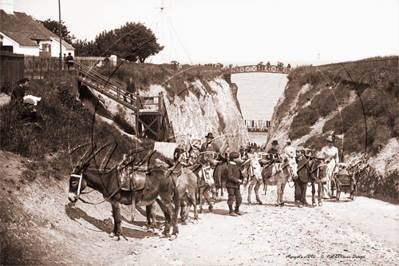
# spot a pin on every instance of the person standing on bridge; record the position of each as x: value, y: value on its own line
x: 131, y: 87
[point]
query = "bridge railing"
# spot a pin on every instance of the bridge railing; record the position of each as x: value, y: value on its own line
x: 105, y: 85
x: 256, y: 68
x: 153, y: 104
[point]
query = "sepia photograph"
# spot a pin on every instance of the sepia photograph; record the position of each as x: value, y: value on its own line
x: 207, y: 132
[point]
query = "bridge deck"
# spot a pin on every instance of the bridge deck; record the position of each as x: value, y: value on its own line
x: 256, y: 68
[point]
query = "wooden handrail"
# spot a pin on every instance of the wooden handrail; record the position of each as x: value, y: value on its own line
x: 104, y: 84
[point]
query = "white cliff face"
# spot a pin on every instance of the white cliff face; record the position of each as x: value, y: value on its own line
x: 194, y: 115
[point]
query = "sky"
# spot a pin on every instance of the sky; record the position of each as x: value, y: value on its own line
x: 240, y: 31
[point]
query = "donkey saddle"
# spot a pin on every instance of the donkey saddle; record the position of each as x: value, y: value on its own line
x: 131, y: 180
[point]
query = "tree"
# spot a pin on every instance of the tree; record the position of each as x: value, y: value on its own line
x: 85, y: 48
x: 53, y: 26
x: 132, y: 41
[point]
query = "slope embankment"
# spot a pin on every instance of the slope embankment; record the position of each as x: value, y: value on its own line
x: 358, y: 103
x: 37, y: 225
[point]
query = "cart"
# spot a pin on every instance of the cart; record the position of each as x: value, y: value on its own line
x: 344, y: 181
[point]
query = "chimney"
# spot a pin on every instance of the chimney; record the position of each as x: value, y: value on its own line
x: 7, y: 6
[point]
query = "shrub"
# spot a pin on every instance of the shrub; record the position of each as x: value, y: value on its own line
x: 64, y: 123
x: 298, y: 132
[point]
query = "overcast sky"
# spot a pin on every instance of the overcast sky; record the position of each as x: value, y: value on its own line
x: 247, y: 31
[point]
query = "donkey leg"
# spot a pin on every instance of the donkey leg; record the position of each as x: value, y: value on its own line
x: 184, y: 208
x: 250, y: 187
x: 151, y: 221
x: 194, y: 202
x: 132, y: 210
x: 320, y: 193
x: 257, y: 186
x: 166, y: 211
x: 278, y: 194
x: 206, y: 196
x: 313, y: 194
x: 116, y: 212
x: 200, y: 193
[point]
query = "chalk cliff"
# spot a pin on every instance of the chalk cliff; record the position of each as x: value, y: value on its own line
x: 360, y: 109
x: 205, y: 106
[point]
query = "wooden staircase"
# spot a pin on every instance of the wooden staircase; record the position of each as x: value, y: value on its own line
x: 150, y: 112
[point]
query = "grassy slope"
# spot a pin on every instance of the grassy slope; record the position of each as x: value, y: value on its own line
x: 330, y: 89
x: 36, y: 221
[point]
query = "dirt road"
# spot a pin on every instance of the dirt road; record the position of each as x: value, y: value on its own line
x: 39, y: 227
x: 361, y: 232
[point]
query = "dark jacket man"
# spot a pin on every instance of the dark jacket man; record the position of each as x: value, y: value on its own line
x: 18, y: 93
x: 233, y: 176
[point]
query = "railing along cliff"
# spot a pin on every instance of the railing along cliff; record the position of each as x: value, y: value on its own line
x: 106, y: 86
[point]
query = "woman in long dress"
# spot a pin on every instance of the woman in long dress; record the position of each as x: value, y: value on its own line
x: 330, y: 155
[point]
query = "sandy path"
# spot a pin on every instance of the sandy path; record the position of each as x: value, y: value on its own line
x: 39, y: 227
x: 360, y: 232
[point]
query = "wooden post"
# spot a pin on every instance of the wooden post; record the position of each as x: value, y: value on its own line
x: 137, y: 111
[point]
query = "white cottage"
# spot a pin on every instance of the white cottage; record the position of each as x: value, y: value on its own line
x: 21, y: 34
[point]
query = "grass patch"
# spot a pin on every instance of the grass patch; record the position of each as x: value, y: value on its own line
x: 64, y: 123
x: 376, y: 83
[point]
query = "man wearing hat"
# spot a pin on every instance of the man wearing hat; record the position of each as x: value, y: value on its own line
x: 209, y: 145
x: 273, y: 152
x: 233, y: 176
x: 301, y: 183
x: 28, y: 112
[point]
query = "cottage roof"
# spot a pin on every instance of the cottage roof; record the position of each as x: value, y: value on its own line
x: 25, y: 30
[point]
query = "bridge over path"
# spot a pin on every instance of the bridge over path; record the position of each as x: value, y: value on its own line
x: 259, y: 68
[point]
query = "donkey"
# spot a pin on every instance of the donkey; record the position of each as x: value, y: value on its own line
x: 252, y: 172
x: 308, y: 173
x: 185, y: 180
x: 158, y: 187
x: 278, y: 175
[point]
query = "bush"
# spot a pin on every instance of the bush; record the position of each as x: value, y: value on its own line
x: 298, y: 132
x: 64, y: 123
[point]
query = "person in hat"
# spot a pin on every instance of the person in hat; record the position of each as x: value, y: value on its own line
x: 209, y: 145
x: 330, y: 155
x: 18, y: 92
x: 28, y: 112
x: 233, y: 176
x: 243, y: 154
x: 273, y: 152
x: 301, y: 182
x: 289, y: 154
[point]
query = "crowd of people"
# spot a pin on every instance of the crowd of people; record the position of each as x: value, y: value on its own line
x: 233, y: 173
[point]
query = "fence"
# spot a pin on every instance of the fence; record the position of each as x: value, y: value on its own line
x: 39, y: 66
x: 11, y: 68
x: 257, y: 125
x: 89, y: 61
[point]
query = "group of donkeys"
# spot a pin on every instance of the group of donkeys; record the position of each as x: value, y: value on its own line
x: 175, y: 186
